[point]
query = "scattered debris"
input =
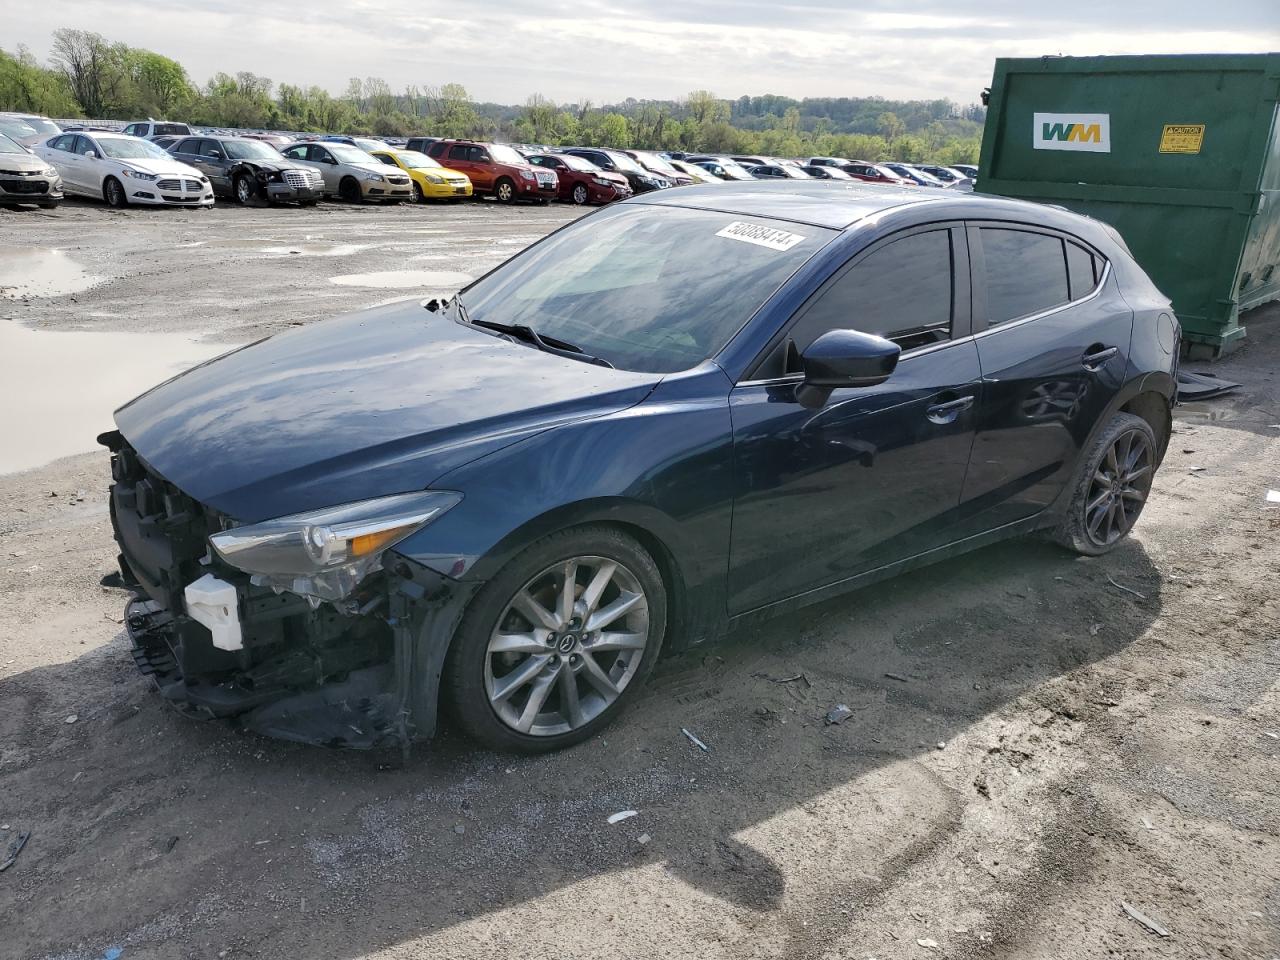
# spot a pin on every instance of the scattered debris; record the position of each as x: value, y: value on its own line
x: 71, y: 718
x: 170, y: 844
x: 927, y: 943
x: 112, y: 953
x: 798, y: 676
x: 1136, y: 914
x: 1198, y: 469
x: 460, y: 829
x: 896, y: 676
x: 1273, y: 496
x: 15, y: 848
x: 1126, y: 589
x: 643, y: 839
x: 1273, y: 736
x: 695, y: 741
x: 1200, y: 386
x: 1148, y: 824
x: 942, y: 744
x: 838, y: 714
x: 1094, y: 628
x: 622, y: 815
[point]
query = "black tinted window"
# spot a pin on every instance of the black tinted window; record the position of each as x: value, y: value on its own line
x: 1080, y: 270
x: 901, y: 291
x: 1026, y: 273
x: 211, y: 149
x: 188, y: 146
x: 458, y: 152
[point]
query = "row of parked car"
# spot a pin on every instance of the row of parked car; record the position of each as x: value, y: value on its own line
x: 168, y: 163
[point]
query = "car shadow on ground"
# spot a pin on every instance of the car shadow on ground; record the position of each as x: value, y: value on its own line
x: 147, y: 826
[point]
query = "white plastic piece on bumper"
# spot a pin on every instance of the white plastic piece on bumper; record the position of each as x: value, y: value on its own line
x: 212, y: 602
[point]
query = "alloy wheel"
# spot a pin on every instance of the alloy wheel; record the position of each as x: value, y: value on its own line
x: 579, y: 194
x: 566, y: 646
x: 1118, y: 489
x: 506, y: 192
x: 244, y: 190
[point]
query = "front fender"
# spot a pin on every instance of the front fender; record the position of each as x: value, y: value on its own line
x: 662, y: 468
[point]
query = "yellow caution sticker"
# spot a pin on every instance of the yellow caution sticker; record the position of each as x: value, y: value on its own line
x: 1182, y: 138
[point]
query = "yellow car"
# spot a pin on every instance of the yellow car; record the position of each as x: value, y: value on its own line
x: 430, y: 180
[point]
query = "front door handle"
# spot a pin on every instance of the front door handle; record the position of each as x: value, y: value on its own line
x: 949, y: 410
x: 1096, y: 357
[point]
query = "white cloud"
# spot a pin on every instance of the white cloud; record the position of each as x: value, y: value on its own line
x: 504, y: 50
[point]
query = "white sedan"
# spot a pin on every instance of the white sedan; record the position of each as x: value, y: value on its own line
x: 124, y: 170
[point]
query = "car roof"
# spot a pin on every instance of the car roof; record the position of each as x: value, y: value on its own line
x: 838, y: 205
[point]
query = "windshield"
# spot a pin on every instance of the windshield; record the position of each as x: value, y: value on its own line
x: 16, y: 128
x: 835, y: 173
x: 795, y: 173
x: 250, y: 150
x: 128, y: 148
x: 648, y: 288
x: 501, y: 153
x: 623, y: 162
x: 734, y: 170
x: 171, y: 129
x: 46, y: 127
x: 364, y: 143
x: 413, y: 160
x: 9, y: 145
x: 577, y: 163
x: 346, y: 153
x: 656, y: 163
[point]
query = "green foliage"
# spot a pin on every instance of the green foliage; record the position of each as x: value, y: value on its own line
x: 91, y: 76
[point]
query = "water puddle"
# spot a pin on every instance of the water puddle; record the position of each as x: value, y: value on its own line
x: 41, y: 272
x: 404, y: 279
x: 274, y: 247
x: 61, y: 387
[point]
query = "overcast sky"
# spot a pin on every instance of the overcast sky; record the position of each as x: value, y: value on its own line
x: 606, y: 50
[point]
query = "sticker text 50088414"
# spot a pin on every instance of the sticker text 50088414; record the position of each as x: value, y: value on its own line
x: 760, y: 235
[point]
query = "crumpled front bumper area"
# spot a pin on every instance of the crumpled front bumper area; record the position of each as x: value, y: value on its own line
x: 361, y: 673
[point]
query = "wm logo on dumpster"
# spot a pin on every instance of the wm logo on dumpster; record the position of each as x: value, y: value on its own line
x: 1089, y: 132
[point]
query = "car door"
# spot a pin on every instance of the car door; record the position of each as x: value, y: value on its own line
x: 86, y: 155
x: 187, y: 151
x: 60, y: 151
x: 327, y: 164
x: 1053, y: 338
x: 216, y: 165
x: 877, y: 473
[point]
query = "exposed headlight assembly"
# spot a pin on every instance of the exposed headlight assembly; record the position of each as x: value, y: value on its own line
x: 324, y: 554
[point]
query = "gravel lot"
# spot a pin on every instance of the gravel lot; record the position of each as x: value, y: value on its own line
x: 1035, y: 740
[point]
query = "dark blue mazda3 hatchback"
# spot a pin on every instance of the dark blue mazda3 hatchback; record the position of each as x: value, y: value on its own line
x: 669, y: 417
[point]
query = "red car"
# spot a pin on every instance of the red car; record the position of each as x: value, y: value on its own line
x: 497, y: 169
x: 874, y: 173
x: 581, y: 181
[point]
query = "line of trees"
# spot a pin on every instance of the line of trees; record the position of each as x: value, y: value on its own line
x: 88, y: 75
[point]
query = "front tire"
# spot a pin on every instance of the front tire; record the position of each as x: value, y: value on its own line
x: 559, y: 643
x: 505, y: 190
x: 244, y: 189
x: 580, y: 195
x: 349, y: 191
x: 113, y: 193
x: 418, y: 195
x: 1111, y: 487
x: 49, y: 205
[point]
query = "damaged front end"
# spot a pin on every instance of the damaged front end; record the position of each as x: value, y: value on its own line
x: 317, y: 631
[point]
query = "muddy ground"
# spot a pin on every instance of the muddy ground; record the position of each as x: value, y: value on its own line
x: 1036, y: 738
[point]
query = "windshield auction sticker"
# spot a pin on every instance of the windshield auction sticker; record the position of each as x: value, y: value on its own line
x: 1182, y: 138
x: 760, y: 235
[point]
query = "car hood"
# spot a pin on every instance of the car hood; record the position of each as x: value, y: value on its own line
x: 375, y: 167
x: 22, y: 161
x: 366, y: 405
x: 157, y: 166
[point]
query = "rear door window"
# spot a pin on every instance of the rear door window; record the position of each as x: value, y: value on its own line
x: 1026, y: 273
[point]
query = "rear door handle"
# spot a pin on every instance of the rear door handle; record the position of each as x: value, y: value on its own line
x: 949, y: 410
x: 1096, y: 357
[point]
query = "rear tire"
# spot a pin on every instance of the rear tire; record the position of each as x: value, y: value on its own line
x: 113, y: 193
x: 585, y: 668
x: 1110, y: 487
x: 505, y: 190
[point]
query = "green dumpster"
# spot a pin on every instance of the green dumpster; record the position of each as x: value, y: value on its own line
x: 1181, y: 154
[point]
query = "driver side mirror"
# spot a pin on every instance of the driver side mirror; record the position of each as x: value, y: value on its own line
x: 91, y: 154
x: 216, y: 155
x: 844, y: 358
